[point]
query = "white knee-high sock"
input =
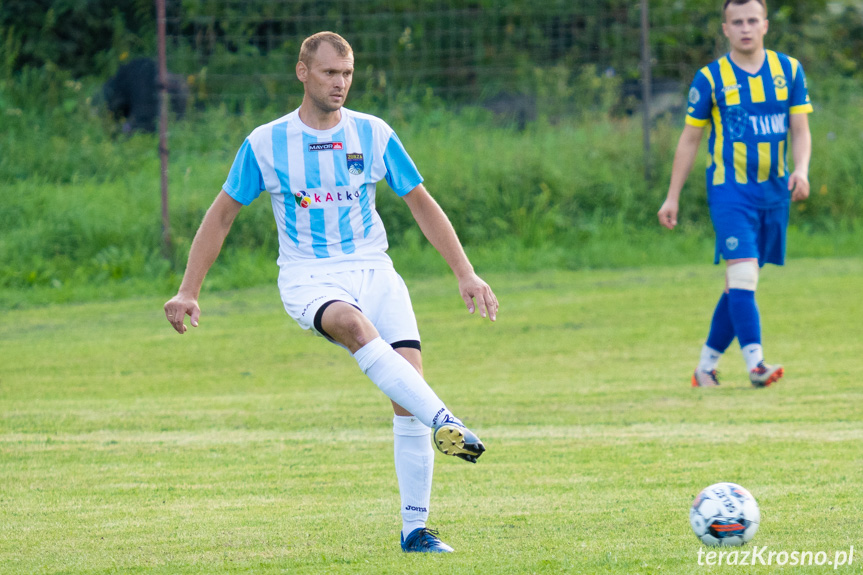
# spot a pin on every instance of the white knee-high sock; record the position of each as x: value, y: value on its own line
x: 414, y: 457
x: 398, y: 379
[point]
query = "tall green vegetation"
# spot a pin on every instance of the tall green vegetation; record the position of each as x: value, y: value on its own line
x: 80, y: 201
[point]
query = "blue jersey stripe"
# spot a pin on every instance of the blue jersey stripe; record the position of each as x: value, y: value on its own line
x: 366, y: 137
x: 280, y: 165
x: 345, y: 230
x: 319, y: 232
x: 312, y: 163
x: 340, y: 160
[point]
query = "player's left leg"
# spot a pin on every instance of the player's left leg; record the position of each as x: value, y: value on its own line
x: 742, y: 280
x: 414, y: 460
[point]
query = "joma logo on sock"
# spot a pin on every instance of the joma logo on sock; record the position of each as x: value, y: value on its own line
x: 436, y: 415
x: 412, y: 508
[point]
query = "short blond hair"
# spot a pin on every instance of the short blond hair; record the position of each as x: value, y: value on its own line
x: 312, y: 43
x: 727, y: 2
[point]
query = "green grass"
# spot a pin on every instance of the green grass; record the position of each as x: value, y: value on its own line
x: 249, y: 446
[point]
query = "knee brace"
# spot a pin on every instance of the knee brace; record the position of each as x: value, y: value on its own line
x: 743, y: 275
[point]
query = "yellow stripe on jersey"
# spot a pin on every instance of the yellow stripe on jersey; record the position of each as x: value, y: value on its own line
x: 794, y: 65
x: 756, y: 89
x: 718, y: 143
x: 740, y: 163
x: 729, y: 82
x: 801, y: 109
x: 781, y: 163
x: 780, y: 82
x: 763, y: 161
x: 696, y: 122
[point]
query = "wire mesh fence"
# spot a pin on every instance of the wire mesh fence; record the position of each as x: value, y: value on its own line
x: 243, y: 52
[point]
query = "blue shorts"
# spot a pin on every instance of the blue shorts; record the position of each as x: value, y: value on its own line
x: 744, y: 232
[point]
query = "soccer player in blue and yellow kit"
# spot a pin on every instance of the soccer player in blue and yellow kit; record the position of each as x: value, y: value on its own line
x: 750, y: 98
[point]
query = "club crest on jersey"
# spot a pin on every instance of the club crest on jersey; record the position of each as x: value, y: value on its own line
x: 694, y: 96
x: 779, y: 81
x: 302, y: 198
x: 326, y: 146
x: 355, y: 164
x: 731, y: 243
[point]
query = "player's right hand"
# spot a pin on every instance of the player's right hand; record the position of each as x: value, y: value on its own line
x: 176, y: 310
x: 668, y: 214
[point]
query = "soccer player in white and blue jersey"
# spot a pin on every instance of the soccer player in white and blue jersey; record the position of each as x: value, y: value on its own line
x: 320, y: 165
x: 750, y: 99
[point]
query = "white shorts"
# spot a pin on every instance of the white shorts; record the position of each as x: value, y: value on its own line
x: 380, y: 294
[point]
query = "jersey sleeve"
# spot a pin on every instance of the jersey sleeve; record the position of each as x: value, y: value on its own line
x: 245, y: 181
x: 800, y: 103
x: 700, y: 101
x: 402, y: 174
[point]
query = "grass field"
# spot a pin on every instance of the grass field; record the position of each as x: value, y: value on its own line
x: 249, y: 446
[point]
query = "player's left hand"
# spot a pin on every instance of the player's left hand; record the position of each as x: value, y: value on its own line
x: 798, y: 185
x: 473, y: 288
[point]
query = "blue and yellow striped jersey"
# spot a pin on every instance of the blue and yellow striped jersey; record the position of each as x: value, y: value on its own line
x: 749, y: 117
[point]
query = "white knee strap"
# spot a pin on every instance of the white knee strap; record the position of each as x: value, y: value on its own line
x: 743, y: 275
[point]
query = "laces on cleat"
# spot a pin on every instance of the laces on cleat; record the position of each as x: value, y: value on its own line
x: 424, y: 540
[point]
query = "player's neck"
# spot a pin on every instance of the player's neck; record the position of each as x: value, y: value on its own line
x: 317, y: 119
x: 749, y: 61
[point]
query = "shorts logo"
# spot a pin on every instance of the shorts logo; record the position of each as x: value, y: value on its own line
x: 694, y: 96
x: 731, y: 243
x: 355, y: 164
x: 736, y: 119
x: 779, y: 82
x: 324, y: 146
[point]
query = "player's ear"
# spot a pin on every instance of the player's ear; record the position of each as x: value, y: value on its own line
x: 302, y: 71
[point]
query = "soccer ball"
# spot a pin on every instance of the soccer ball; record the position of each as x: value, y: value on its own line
x: 724, y: 514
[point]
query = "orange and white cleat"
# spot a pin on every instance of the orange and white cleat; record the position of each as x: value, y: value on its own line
x: 763, y: 374
x: 703, y: 378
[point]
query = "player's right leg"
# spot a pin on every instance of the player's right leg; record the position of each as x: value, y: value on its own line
x: 718, y: 339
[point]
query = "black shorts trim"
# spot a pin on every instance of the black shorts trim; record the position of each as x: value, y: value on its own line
x: 411, y: 343
x: 320, y: 313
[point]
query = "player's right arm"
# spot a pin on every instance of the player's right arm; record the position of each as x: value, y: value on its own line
x: 204, y: 251
x: 684, y: 158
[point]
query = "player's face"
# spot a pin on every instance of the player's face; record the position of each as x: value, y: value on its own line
x: 745, y: 26
x: 327, y: 79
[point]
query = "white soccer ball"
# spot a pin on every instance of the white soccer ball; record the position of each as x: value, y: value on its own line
x: 724, y: 514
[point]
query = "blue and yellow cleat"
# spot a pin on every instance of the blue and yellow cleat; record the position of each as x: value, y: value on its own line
x: 424, y: 540
x: 451, y: 437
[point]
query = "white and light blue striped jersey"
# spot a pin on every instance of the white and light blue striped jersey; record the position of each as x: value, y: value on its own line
x: 322, y: 187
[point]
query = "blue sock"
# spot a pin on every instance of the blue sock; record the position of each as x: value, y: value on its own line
x: 721, y: 327
x: 744, y: 316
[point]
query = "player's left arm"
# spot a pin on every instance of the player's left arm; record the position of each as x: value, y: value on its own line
x: 437, y: 228
x: 801, y: 152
